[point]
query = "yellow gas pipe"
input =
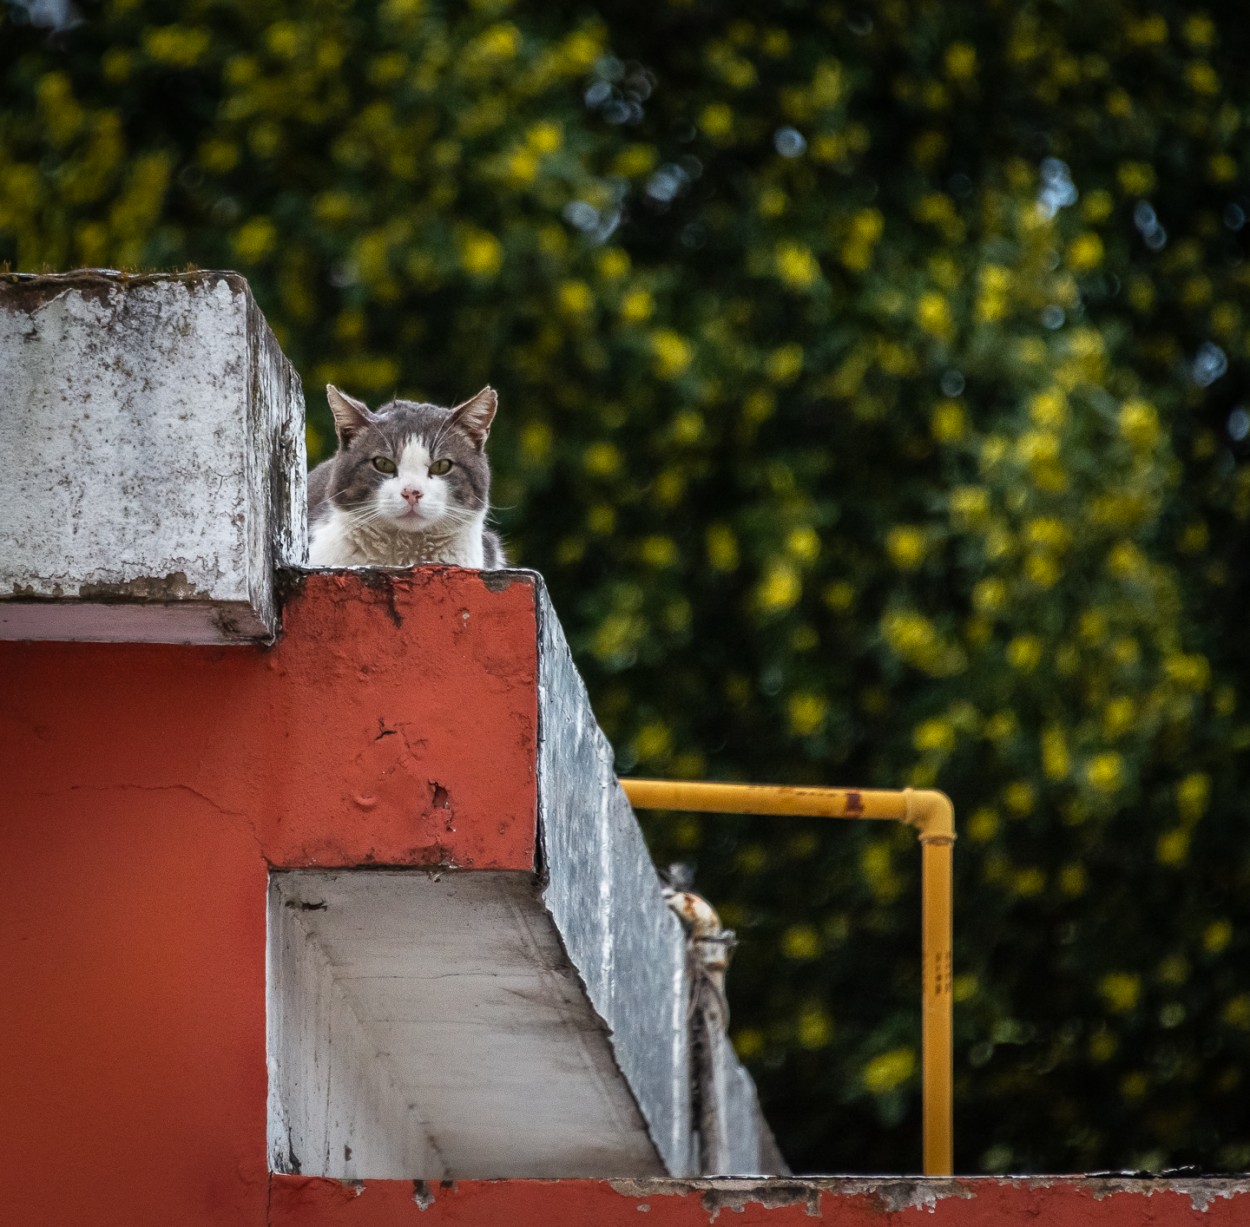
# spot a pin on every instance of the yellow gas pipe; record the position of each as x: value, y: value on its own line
x: 933, y: 816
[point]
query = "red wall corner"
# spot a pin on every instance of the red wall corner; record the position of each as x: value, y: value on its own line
x: 145, y: 791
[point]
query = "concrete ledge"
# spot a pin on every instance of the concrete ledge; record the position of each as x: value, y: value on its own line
x: 606, y: 899
x: 430, y: 1025
x: 153, y: 437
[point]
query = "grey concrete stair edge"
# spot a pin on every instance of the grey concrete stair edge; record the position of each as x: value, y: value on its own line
x: 606, y: 899
x: 277, y: 465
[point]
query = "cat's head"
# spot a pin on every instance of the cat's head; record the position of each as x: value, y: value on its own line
x: 411, y: 466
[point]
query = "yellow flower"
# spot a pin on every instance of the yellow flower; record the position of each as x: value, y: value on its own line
x: 522, y: 166
x: 989, y: 596
x: 536, y: 441
x: 717, y: 121
x: 840, y: 596
x: 1105, y: 771
x: 494, y: 45
x: 801, y: 942
x: 576, y: 298
x: 481, y: 253
x: 1085, y: 253
x: 969, y: 505
x: 780, y: 588
x: 934, y: 735
x: 1098, y: 205
x: 759, y: 405
x: 1222, y: 167
x: 797, y: 266
x: 546, y: 136
x: 613, y: 263
x: 1152, y: 30
x: 948, y: 424
x: 1200, y: 30
x: 1055, y: 761
x: 961, y: 61
x: 773, y: 202
x: 933, y: 314
x: 1136, y: 178
x: 1237, y: 1012
x: 183, y: 46
x: 653, y: 741
x: 1042, y: 570
x: 1125, y: 560
x: 1216, y: 936
x: 1024, y: 652
x: 1139, y: 424
x: 1047, y: 533
x: 1118, y: 716
x: 803, y: 543
x: 906, y: 547
x: 807, y: 713
x: 864, y: 231
x: 669, y: 487
x: 601, y: 520
x: 658, y: 551
x: 1029, y: 883
x: 602, y: 460
x: 637, y: 306
x: 635, y: 160
x: 982, y: 825
x: 1121, y: 990
x: 915, y: 639
x: 722, y: 547
x: 1172, y: 847
x: 785, y: 364
x: 1192, y: 796
x: 1019, y: 797
x: 671, y: 352
x: 1072, y: 880
x: 255, y: 239
x: 890, y: 1070
x: 1202, y: 78
x: 815, y: 1028
x: 1192, y: 672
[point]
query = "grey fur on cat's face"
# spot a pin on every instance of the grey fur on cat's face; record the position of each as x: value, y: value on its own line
x: 410, y: 466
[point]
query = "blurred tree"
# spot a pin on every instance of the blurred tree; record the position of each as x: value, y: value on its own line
x: 874, y: 400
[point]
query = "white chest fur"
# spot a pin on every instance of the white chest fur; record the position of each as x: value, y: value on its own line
x: 336, y: 541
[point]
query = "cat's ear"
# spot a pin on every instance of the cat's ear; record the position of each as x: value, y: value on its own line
x: 351, y: 416
x: 475, y: 415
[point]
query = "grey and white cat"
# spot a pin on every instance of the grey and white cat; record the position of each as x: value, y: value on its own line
x: 410, y: 483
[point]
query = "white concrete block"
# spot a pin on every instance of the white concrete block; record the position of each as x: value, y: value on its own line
x: 430, y: 1026
x: 152, y: 462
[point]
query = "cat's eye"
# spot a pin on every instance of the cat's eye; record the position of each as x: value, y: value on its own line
x: 384, y: 464
x: 439, y: 467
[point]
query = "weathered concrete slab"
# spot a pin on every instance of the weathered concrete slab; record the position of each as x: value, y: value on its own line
x: 430, y: 1024
x: 153, y: 443
x: 629, y: 949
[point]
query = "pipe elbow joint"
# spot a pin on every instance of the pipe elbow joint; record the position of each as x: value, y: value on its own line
x: 932, y: 814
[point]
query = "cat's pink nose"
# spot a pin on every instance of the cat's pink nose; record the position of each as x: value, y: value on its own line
x: 412, y: 495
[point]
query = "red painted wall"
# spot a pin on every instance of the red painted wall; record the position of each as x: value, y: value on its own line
x: 145, y: 791
x: 846, y: 1202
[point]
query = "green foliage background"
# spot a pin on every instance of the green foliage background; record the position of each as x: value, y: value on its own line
x: 858, y: 442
